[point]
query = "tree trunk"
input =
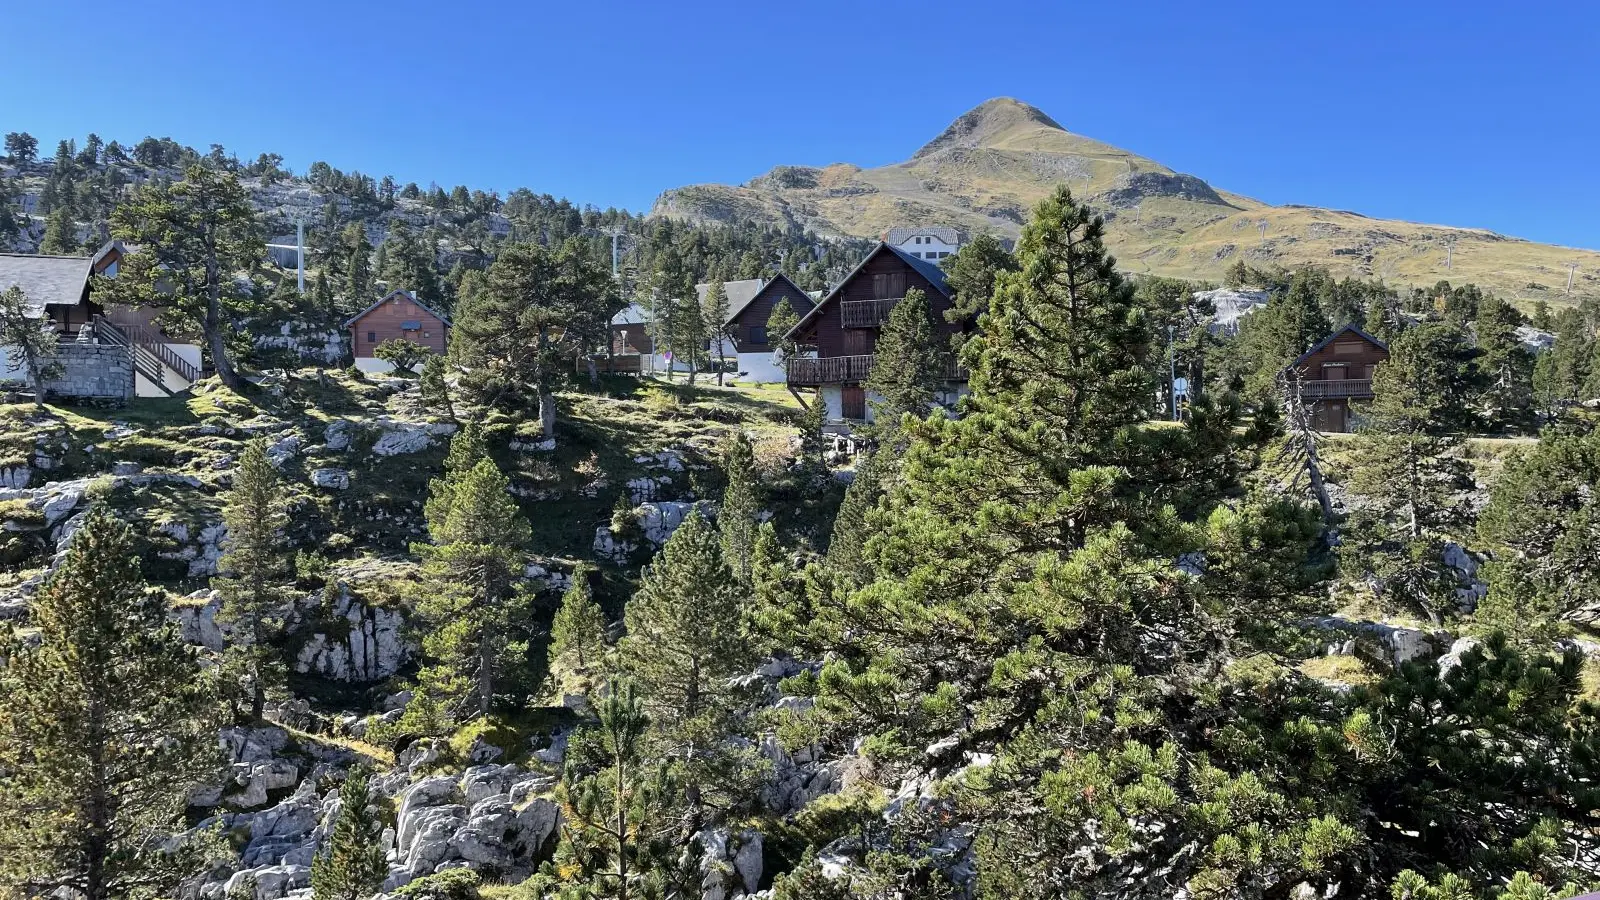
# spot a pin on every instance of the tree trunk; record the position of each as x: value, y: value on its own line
x: 214, y: 340
x: 547, y: 413
x: 36, y: 375
x: 485, y: 673
x: 594, y: 374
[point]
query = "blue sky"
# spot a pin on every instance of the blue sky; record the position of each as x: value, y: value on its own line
x: 1465, y: 113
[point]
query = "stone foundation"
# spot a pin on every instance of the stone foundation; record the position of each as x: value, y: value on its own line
x: 96, y: 372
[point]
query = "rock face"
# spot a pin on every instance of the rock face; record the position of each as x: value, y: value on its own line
x: 658, y: 521
x: 367, y: 645
x: 256, y: 765
x: 1231, y: 307
x: 335, y: 479
x: 485, y: 819
x: 197, y: 620
x: 1399, y: 643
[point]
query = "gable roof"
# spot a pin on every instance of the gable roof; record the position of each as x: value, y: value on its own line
x: 735, y: 311
x: 632, y: 314
x: 409, y: 295
x: 926, y: 269
x: 949, y: 234
x: 1348, y: 329
x: 46, y: 279
x: 740, y: 293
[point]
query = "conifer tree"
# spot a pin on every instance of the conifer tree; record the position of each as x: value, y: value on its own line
x: 1506, y: 367
x: 30, y: 344
x: 782, y: 320
x: 358, y: 268
x: 194, y: 238
x: 351, y: 864
x: 846, y: 545
x: 470, y: 571
x: 435, y: 386
x: 60, y: 231
x: 106, y: 723
x: 972, y: 273
x: 736, y: 518
x: 256, y: 565
x: 684, y: 646
x: 578, y: 633
x: 619, y: 838
x: 714, y: 314
x: 1560, y: 374
x: 907, y: 364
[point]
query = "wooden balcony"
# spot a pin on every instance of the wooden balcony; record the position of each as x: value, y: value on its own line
x: 866, y: 313
x: 1336, y: 389
x: 803, y: 370
x: 829, y: 370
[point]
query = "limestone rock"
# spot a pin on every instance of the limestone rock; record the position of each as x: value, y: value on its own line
x: 370, y: 644
x: 335, y: 479
x: 402, y: 440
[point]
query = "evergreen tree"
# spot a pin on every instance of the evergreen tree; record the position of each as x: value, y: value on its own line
x: 435, y: 386
x: 106, y: 723
x: 1560, y: 374
x: 578, y: 634
x: 685, y: 646
x: 30, y: 345
x: 256, y: 565
x: 714, y: 313
x: 351, y: 864
x: 972, y: 273
x: 21, y: 148
x: 358, y: 290
x: 537, y: 308
x: 846, y: 545
x: 907, y: 364
x: 193, y: 237
x: 1506, y: 367
x: 741, y: 505
x: 60, y: 232
x: 782, y: 320
x: 619, y: 838
x: 470, y: 571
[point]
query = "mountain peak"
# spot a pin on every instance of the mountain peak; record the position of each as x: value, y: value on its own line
x: 986, y: 123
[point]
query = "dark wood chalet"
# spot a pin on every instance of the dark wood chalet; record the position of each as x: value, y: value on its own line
x: 747, y: 320
x: 838, y: 336
x: 1337, y: 371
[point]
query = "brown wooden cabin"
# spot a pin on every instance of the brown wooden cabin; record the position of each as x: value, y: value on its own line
x: 1337, y: 371
x: 748, y: 314
x: 842, y: 330
x: 398, y: 315
x: 60, y: 287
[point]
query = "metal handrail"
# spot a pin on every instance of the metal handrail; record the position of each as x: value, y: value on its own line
x: 150, y: 341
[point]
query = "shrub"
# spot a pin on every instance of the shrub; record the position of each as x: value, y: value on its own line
x: 403, y: 354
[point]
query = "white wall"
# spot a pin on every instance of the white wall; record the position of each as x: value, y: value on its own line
x: 8, y: 372
x: 934, y: 245
x: 759, y: 367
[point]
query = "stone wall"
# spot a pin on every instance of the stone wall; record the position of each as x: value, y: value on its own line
x: 92, y: 372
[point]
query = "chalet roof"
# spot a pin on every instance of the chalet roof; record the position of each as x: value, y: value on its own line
x: 740, y: 293
x: 46, y: 279
x: 946, y: 233
x: 1348, y: 329
x: 632, y: 314
x: 926, y: 269
x: 409, y: 295
x: 735, y: 310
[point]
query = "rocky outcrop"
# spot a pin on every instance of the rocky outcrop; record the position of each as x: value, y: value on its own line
x: 352, y: 641
x: 489, y: 818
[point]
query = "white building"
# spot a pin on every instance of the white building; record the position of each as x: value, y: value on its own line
x: 933, y: 242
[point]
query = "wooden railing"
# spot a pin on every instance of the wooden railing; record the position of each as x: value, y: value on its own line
x: 150, y: 351
x: 845, y: 369
x: 1355, y: 388
x: 829, y: 369
x: 866, y: 313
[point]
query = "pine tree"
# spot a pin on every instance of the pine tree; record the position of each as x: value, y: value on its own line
x: 470, y: 570
x: 351, y: 864
x: 106, y: 723
x: 741, y: 505
x: 30, y: 345
x: 434, y: 386
x: 1506, y: 366
x: 684, y: 646
x: 60, y: 231
x: 358, y: 289
x: 846, y: 545
x: 1560, y: 374
x: 193, y: 237
x: 907, y: 364
x: 578, y: 633
x: 619, y: 837
x: 782, y: 320
x: 256, y: 564
x: 714, y: 314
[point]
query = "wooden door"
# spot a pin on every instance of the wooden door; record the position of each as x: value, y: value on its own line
x: 853, y: 402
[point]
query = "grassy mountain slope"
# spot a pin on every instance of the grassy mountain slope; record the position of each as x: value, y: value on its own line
x: 991, y: 164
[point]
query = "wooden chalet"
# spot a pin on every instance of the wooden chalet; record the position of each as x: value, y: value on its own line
x: 1337, y: 371
x: 748, y: 316
x: 399, y: 314
x: 840, y: 333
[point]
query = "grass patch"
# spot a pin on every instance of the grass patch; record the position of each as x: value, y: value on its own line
x: 1339, y: 669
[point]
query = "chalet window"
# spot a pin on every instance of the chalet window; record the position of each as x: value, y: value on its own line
x: 1347, y: 348
x: 758, y: 334
x: 411, y: 325
x: 888, y: 285
x: 372, y: 337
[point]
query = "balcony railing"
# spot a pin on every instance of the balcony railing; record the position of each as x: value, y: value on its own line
x: 866, y: 313
x: 846, y: 369
x: 829, y: 369
x: 1354, y: 388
